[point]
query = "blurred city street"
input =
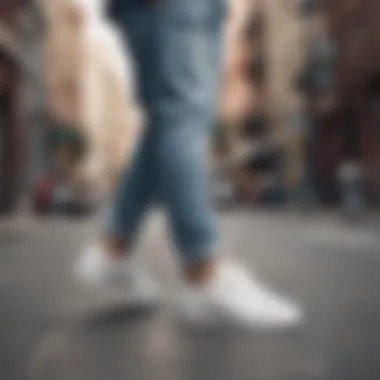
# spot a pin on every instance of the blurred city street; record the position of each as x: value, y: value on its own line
x: 298, y: 123
x: 51, y: 329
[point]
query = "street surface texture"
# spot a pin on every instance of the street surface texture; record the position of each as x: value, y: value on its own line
x: 52, y: 329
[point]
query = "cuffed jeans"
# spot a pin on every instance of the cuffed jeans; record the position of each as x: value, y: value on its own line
x: 177, y: 51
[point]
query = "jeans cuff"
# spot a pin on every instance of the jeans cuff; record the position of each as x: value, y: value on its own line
x: 205, y: 251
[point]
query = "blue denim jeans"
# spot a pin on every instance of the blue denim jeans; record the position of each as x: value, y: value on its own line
x: 177, y: 51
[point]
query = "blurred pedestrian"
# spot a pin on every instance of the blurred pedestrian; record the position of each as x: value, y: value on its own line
x: 350, y: 170
x: 87, y: 79
x: 177, y: 45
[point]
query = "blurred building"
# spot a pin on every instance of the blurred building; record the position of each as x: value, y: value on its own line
x: 22, y: 121
x: 321, y: 88
x: 355, y: 28
x: 341, y: 84
x: 11, y: 150
x: 33, y: 94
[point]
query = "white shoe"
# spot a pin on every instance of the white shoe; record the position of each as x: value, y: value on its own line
x: 234, y: 297
x: 116, y: 276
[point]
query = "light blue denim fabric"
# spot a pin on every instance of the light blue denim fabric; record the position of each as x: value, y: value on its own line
x: 177, y: 50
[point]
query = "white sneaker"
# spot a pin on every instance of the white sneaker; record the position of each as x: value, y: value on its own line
x: 116, y: 276
x: 235, y: 297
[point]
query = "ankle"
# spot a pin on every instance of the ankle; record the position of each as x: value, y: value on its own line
x: 200, y: 272
x: 116, y: 247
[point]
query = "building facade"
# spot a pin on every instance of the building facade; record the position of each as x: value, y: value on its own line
x: 322, y: 88
x: 355, y: 28
x: 11, y: 136
x: 346, y: 131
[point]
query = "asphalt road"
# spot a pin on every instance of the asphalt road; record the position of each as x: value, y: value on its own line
x: 51, y: 329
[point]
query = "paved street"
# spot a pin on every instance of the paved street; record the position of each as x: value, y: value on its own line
x: 51, y: 329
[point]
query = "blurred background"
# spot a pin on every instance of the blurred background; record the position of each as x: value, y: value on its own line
x: 300, y: 104
x: 299, y: 116
x: 298, y: 129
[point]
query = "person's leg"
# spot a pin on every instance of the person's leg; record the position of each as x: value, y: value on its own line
x: 177, y: 48
x: 138, y: 184
x: 189, y: 58
x: 186, y: 66
x: 109, y: 262
x: 179, y: 63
